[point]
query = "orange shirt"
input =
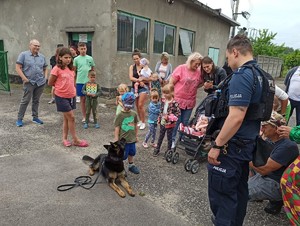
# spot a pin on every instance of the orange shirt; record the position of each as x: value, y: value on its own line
x: 64, y: 84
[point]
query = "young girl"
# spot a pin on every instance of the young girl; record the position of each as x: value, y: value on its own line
x: 62, y: 78
x: 144, y: 73
x: 153, y: 110
x: 122, y: 88
x: 169, y: 113
x: 197, y: 130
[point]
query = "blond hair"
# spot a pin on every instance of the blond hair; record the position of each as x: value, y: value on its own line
x: 164, y: 55
x: 122, y: 87
x: 193, y: 57
x: 168, y: 89
x: 154, y: 93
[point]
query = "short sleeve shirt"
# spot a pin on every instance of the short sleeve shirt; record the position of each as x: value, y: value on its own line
x: 64, y: 84
x: 127, y: 122
x: 83, y: 65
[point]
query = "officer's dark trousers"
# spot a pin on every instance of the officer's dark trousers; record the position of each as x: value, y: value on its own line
x: 228, y: 187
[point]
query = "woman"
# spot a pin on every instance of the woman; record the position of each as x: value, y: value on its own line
x: 290, y: 180
x: 186, y: 79
x: 212, y: 74
x: 142, y: 90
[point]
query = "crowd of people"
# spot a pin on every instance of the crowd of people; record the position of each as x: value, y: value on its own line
x: 172, y: 97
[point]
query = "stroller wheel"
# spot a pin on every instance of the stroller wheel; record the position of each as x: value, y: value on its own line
x: 169, y: 155
x: 175, y: 157
x: 188, y: 164
x: 194, y: 166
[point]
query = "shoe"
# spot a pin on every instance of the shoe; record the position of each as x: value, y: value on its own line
x: 52, y: 101
x: 273, y: 207
x: 134, y: 169
x: 145, y: 145
x: 154, y: 145
x: 83, y: 120
x: 37, y: 121
x: 97, y: 126
x: 85, y: 126
x: 139, y: 123
x: 136, y: 95
x: 181, y: 127
x: 67, y: 143
x: 19, y: 123
x: 142, y: 126
x: 155, y: 152
x: 77, y: 99
x: 82, y: 144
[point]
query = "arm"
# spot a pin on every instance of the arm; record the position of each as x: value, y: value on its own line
x: 117, y: 132
x: 20, y: 73
x: 98, y: 91
x: 45, y: 71
x: 270, y: 166
x: 284, y: 104
x: 52, y: 80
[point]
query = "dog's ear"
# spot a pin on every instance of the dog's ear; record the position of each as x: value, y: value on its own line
x: 106, y: 146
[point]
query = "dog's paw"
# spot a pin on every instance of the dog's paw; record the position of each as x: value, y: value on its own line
x: 91, y: 172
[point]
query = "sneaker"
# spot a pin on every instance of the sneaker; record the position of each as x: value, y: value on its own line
x: 19, y: 123
x: 97, y: 126
x: 77, y: 99
x: 155, y: 152
x: 142, y: 126
x: 136, y: 95
x: 154, y: 145
x: 134, y: 169
x: 52, y: 101
x: 274, y: 207
x: 85, y: 126
x: 37, y: 121
x: 145, y: 145
x: 139, y: 123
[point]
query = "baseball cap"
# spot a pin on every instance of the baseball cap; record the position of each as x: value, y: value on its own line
x: 276, y: 119
x: 128, y: 99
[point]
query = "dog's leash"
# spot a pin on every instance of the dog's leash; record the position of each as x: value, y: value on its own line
x: 79, y: 182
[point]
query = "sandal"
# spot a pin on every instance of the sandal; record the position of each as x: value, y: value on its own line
x: 67, y: 143
x: 82, y: 144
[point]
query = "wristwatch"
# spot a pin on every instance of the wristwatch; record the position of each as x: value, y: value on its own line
x: 214, y: 145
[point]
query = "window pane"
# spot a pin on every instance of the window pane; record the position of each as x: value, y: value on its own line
x: 125, y: 31
x: 185, y: 42
x: 191, y: 38
x: 158, y: 38
x: 169, y: 40
x: 141, y: 35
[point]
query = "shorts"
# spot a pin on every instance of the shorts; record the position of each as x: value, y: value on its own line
x: 79, y: 90
x: 65, y: 104
x: 130, y: 149
x: 143, y: 90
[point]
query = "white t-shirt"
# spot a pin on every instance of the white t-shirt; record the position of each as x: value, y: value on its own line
x: 162, y: 71
x: 281, y: 95
x: 294, y: 90
x: 146, y: 72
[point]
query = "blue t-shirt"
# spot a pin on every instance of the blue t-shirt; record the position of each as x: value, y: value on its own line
x: 285, y: 152
x: 242, y: 93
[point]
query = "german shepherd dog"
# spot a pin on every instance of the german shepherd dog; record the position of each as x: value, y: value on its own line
x: 111, y: 166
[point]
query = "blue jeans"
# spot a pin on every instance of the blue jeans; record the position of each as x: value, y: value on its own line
x: 184, y: 118
x: 295, y: 104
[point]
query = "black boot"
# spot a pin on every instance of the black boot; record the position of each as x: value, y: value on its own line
x: 274, y: 207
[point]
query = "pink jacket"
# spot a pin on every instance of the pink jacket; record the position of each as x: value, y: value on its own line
x: 186, y: 84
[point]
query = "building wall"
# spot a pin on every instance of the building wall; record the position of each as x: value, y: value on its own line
x: 47, y: 21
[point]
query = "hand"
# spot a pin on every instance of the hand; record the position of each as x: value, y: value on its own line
x: 213, y: 155
x: 137, y: 139
x: 26, y: 80
x: 208, y: 85
x: 284, y: 131
x: 142, y: 84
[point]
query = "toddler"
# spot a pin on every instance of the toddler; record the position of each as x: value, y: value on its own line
x: 144, y: 73
x: 169, y: 113
x: 122, y: 88
x: 197, y: 130
x: 153, y: 112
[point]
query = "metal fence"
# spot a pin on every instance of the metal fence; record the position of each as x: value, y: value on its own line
x: 272, y: 65
x: 4, y: 79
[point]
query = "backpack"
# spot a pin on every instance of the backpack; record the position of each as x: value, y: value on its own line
x: 218, y: 108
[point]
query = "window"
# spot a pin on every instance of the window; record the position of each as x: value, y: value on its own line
x: 213, y: 53
x: 132, y: 33
x: 186, y: 42
x: 164, y: 38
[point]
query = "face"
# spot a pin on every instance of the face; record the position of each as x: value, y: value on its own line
x: 168, y: 96
x: 269, y: 130
x: 207, y: 67
x: 92, y: 78
x: 65, y: 59
x: 136, y: 59
x: 34, y: 47
x: 73, y: 52
x: 195, y: 64
x: 232, y: 58
x: 154, y: 99
x: 121, y: 91
x: 82, y: 50
x: 164, y: 60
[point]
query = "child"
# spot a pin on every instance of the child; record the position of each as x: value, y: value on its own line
x: 92, y: 91
x: 144, y: 73
x: 122, y: 88
x: 197, y: 130
x: 126, y: 127
x: 83, y: 64
x: 154, y: 110
x: 62, y: 78
x: 169, y: 113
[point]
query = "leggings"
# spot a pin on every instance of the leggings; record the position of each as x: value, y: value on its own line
x: 162, y: 132
x: 151, y: 132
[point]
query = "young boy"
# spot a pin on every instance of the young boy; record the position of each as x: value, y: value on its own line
x: 91, y: 90
x: 82, y: 65
x: 126, y: 127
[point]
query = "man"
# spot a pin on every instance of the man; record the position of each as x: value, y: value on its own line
x: 31, y: 66
x: 228, y: 166
x: 265, y: 184
x: 292, y: 83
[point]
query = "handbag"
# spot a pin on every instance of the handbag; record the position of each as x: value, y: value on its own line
x: 262, y: 152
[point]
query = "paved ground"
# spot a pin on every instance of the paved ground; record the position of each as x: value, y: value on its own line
x: 33, y: 163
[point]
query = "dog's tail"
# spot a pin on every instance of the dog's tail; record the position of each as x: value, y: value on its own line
x: 87, y: 159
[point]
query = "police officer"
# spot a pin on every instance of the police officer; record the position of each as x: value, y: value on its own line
x: 232, y: 150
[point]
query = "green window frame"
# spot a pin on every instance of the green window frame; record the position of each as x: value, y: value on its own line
x: 164, y: 38
x: 132, y: 32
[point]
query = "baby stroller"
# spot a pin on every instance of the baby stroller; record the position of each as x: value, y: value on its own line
x: 196, y: 146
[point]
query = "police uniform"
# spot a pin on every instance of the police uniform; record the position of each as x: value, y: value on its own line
x: 227, y: 182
